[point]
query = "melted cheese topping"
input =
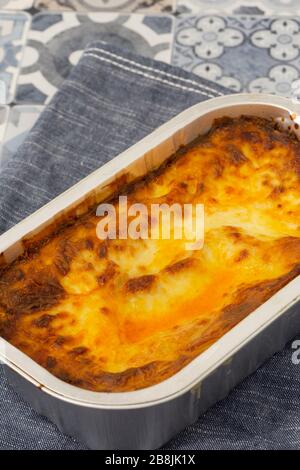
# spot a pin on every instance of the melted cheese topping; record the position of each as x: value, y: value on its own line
x: 120, y: 315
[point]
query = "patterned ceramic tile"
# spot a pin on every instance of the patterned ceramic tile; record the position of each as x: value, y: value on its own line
x: 105, y: 5
x: 15, y: 4
x: 56, y: 41
x: 21, y: 119
x: 245, y: 53
x: 253, y: 7
x: 13, y: 31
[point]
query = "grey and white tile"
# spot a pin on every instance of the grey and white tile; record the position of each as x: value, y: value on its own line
x: 252, y: 7
x: 274, y: 7
x: 15, y: 4
x: 106, y: 5
x: 56, y: 41
x: 13, y: 31
x: 20, y: 121
x: 200, y: 7
x: 245, y: 53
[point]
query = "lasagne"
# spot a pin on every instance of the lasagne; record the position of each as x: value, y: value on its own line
x: 124, y: 314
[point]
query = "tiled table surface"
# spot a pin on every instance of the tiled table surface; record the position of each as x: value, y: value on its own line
x: 251, y: 45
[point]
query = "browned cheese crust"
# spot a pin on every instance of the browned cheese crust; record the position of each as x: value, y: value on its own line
x: 120, y: 315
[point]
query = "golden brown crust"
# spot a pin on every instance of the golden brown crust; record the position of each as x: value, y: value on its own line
x: 126, y: 314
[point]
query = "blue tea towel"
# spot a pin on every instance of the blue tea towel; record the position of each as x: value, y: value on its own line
x: 111, y: 100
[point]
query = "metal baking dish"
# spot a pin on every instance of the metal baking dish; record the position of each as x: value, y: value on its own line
x: 148, y: 418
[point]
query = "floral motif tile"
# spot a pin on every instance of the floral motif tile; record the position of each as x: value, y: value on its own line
x: 252, y: 7
x: 244, y: 53
x: 15, y: 4
x: 21, y: 119
x: 13, y: 31
x: 105, y: 5
x: 56, y: 41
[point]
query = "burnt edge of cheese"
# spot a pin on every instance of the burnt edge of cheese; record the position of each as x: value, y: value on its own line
x: 44, y: 289
x: 139, y: 284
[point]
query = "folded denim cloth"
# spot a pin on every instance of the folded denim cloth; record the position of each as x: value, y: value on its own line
x: 111, y: 100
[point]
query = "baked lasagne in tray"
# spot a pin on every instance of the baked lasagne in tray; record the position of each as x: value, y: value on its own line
x: 121, y: 315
